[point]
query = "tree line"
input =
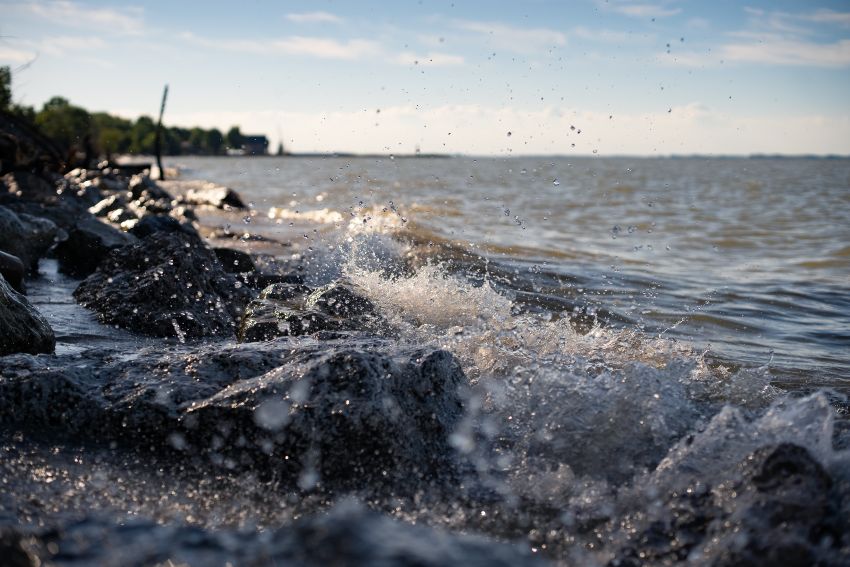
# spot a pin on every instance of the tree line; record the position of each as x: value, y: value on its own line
x: 76, y: 129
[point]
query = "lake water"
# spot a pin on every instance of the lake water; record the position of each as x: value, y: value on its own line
x: 744, y: 261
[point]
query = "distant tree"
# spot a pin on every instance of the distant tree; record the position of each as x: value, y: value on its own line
x: 68, y: 125
x: 142, y: 135
x: 234, y: 137
x: 5, y: 88
x: 215, y: 141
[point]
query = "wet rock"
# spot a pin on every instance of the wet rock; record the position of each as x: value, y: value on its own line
x: 12, y: 269
x: 220, y: 197
x: 142, y: 187
x: 349, y: 534
x: 30, y: 187
x: 25, y: 236
x: 168, y: 284
x: 107, y: 205
x: 23, y: 328
x: 88, y: 243
x: 158, y: 223
x: 235, y: 261
x: 351, y: 411
x: 775, y: 508
x: 348, y: 416
x: 291, y: 311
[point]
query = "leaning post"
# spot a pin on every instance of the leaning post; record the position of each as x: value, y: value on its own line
x: 158, y: 144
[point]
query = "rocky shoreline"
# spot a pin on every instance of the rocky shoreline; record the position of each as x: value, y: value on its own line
x: 224, y: 410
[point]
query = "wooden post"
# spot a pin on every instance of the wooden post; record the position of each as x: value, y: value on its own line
x: 158, y: 142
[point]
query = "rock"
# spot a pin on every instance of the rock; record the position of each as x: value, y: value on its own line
x: 12, y: 269
x: 168, y: 284
x: 106, y: 206
x: 119, y: 216
x: 30, y: 187
x: 158, y: 223
x: 350, y: 534
x: 64, y: 213
x: 775, y: 508
x: 350, y: 411
x: 291, y: 311
x: 25, y: 236
x: 220, y: 197
x: 143, y: 187
x: 88, y: 243
x: 346, y: 414
x: 24, y: 328
x: 235, y: 261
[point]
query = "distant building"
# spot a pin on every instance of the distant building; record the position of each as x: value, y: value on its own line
x: 255, y: 145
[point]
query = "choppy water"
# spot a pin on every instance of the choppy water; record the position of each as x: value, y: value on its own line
x: 654, y: 354
x: 745, y: 260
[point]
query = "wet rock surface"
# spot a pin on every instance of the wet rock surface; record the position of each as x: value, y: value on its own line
x: 285, y: 309
x: 87, y: 244
x: 13, y: 270
x: 347, y: 411
x: 23, y: 328
x: 25, y: 236
x: 778, y: 509
x: 169, y: 284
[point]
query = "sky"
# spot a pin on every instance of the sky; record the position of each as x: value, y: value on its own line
x: 582, y: 77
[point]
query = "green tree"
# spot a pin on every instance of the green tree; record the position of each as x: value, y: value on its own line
x: 215, y: 141
x: 68, y: 125
x: 5, y: 88
x: 142, y: 135
x: 234, y: 138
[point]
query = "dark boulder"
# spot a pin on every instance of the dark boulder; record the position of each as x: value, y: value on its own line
x: 291, y: 310
x: 235, y: 261
x: 348, y: 411
x: 88, y: 243
x: 30, y: 187
x: 220, y: 197
x: 13, y: 270
x: 775, y: 508
x: 23, y: 328
x: 25, y: 236
x: 348, y: 415
x: 151, y: 224
x: 168, y: 284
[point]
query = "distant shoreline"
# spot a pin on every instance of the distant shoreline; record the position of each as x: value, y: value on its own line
x: 131, y: 159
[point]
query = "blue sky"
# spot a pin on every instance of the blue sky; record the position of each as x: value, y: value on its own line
x: 643, y: 77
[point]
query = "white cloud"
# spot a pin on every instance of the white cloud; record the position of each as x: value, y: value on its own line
x: 313, y: 18
x: 826, y: 16
x: 431, y: 59
x: 610, y: 36
x: 126, y: 20
x: 782, y: 51
x: 520, y: 40
x: 12, y: 55
x: 321, y: 47
x: 327, y: 48
x: 639, y: 10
